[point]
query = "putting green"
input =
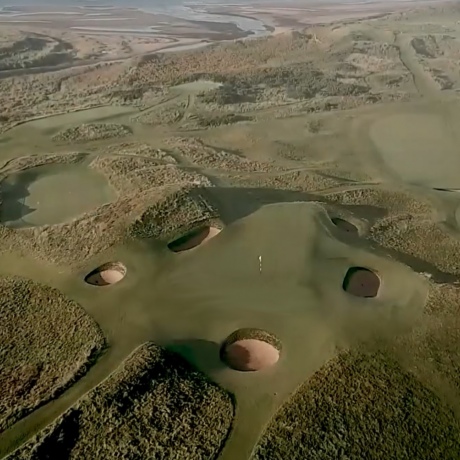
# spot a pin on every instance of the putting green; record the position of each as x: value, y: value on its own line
x: 48, y: 195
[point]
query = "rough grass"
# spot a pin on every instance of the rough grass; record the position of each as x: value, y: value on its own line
x: 410, y: 236
x: 403, y: 225
x: 47, y: 342
x: 132, y: 173
x: 71, y: 244
x: 200, y: 154
x: 165, y: 115
x: 32, y: 161
x: 297, y: 181
x: 139, y: 181
x: 393, y: 201
x: 154, y: 406
x: 137, y: 149
x: 211, y: 120
x: 92, y: 132
x: 361, y: 406
x: 174, y: 216
x: 432, y: 350
x: 352, y: 67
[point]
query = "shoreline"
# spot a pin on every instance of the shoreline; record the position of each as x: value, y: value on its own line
x: 182, y: 35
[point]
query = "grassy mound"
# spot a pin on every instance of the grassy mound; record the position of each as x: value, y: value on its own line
x: 361, y: 406
x: 47, y: 342
x: 154, y: 406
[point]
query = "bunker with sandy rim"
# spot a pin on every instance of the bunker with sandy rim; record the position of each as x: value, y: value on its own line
x: 361, y: 282
x: 250, y: 350
x: 107, y: 274
x: 345, y: 226
x: 193, y: 239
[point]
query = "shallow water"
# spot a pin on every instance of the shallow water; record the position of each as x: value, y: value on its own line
x: 49, y: 195
x: 176, y: 9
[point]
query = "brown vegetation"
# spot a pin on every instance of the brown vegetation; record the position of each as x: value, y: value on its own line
x: 175, y: 216
x: 361, y: 406
x: 200, y: 154
x: 154, y: 406
x: 47, y: 342
x: 135, y: 173
x: 92, y: 132
x: 137, y: 149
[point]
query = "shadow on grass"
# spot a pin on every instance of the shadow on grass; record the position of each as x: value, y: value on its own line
x: 235, y: 203
x: 203, y: 354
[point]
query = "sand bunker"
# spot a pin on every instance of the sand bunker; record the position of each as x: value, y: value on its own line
x: 49, y: 195
x: 193, y: 239
x: 345, y: 226
x: 107, y: 274
x: 250, y: 350
x: 361, y: 282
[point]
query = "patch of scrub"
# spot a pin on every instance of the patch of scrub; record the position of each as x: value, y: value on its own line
x: 92, y: 132
x: 51, y: 194
x: 419, y: 148
x: 198, y: 86
x: 363, y: 406
x: 82, y: 116
x: 47, y: 340
x: 177, y: 214
x: 154, y: 406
